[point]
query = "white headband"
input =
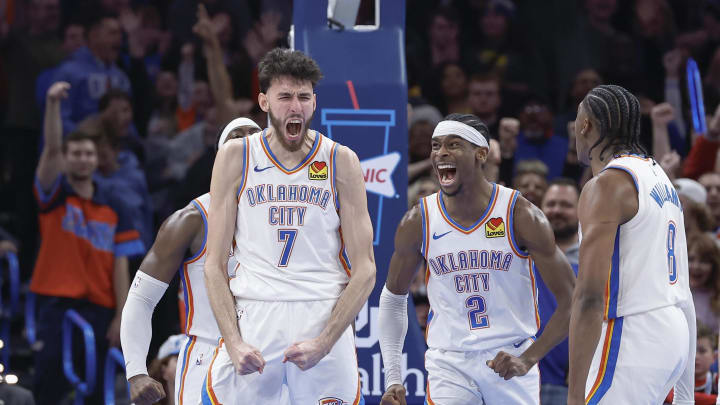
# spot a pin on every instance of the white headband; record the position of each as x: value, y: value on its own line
x: 234, y: 124
x: 464, y: 131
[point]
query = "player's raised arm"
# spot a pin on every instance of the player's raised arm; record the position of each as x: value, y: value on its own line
x: 151, y: 280
x: 604, y: 205
x: 357, y: 234
x: 393, y: 317
x: 534, y: 232
x: 226, y: 177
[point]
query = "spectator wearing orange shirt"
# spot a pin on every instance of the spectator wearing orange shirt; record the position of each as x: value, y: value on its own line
x: 82, y: 263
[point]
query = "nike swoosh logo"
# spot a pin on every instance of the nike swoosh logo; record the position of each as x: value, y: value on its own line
x: 436, y: 236
x: 257, y: 169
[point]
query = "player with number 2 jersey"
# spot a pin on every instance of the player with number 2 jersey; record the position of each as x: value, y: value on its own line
x: 476, y: 242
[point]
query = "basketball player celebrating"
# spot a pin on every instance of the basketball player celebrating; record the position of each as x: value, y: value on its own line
x: 184, y: 230
x: 478, y: 241
x: 632, y: 330
x: 285, y: 194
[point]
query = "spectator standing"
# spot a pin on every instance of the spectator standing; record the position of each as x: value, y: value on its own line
x: 82, y: 263
x: 531, y: 180
x: 536, y: 139
x: 92, y: 71
x: 484, y: 100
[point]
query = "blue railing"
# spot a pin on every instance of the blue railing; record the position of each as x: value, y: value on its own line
x: 8, y: 307
x: 85, y: 387
x: 113, y: 362
x: 30, y: 328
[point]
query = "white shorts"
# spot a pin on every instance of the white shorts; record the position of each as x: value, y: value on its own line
x: 271, y: 327
x: 639, y: 358
x: 460, y: 378
x: 192, y: 365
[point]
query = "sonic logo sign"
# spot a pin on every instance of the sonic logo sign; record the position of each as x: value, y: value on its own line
x: 378, y: 171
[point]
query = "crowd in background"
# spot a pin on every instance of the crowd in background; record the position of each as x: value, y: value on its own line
x: 152, y: 83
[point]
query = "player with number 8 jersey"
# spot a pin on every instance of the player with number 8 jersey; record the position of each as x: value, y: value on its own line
x: 632, y: 334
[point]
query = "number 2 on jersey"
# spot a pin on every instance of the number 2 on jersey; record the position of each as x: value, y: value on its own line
x: 672, y: 263
x: 288, y: 237
x: 477, y: 307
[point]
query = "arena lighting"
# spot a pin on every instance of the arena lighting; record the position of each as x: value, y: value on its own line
x: 11, y: 379
x: 2, y: 368
x: 2, y: 344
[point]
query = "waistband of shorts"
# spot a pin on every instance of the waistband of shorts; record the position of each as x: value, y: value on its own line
x: 245, y: 301
x: 204, y: 340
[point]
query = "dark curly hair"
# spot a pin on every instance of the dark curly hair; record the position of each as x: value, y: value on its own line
x: 472, y: 121
x: 285, y: 62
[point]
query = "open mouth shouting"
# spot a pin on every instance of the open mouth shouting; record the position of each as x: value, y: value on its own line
x: 293, y: 128
x: 446, y: 173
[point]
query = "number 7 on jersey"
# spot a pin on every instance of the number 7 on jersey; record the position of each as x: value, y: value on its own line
x: 288, y: 237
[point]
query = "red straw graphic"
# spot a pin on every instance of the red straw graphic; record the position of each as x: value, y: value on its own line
x: 353, y: 96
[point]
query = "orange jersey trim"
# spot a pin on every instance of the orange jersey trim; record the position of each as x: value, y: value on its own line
x: 307, y: 160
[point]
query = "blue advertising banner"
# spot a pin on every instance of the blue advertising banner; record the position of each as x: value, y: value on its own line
x: 362, y: 103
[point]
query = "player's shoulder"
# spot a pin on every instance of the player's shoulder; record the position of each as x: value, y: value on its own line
x: 609, y: 183
x: 190, y: 217
x: 410, y: 229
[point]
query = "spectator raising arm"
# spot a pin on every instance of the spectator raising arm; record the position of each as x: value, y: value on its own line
x: 51, y: 160
x: 661, y: 115
x: 701, y: 158
x: 220, y: 83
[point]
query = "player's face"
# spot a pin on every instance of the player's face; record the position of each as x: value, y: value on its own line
x: 560, y: 207
x: 81, y: 159
x: 704, y: 356
x: 290, y: 104
x: 455, y: 160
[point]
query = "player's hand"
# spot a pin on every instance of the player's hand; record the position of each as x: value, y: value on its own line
x: 144, y: 390
x: 509, y: 366
x: 395, y: 395
x: 58, y: 91
x: 306, y: 354
x: 246, y: 358
x: 113, y: 332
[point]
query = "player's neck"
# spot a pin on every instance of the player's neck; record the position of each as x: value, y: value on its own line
x: 470, y: 202
x: 287, y: 157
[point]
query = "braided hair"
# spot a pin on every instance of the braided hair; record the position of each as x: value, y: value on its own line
x: 618, y: 113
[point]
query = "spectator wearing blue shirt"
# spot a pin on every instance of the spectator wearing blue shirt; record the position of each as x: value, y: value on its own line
x: 559, y: 204
x: 125, y: 182
x: 92, y: 71
x: 536, y: 139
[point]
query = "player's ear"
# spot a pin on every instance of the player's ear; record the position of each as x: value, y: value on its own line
x: 314, y: 101
x: 481, y: 154
x: 263, y: 102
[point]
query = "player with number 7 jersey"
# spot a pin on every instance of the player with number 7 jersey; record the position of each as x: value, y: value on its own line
x: 476, y: 242
x: 293, y: 200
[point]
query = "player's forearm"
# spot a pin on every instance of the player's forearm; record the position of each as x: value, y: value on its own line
x: 585, y: 328
x: 555, y: 332
x: 350, y: 302
x: 222, y: 302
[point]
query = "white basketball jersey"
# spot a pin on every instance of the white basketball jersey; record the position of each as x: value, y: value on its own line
x: 288, y: 227
x: 480, y: 284
x: 199, y: 318
x: 649, y: 267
